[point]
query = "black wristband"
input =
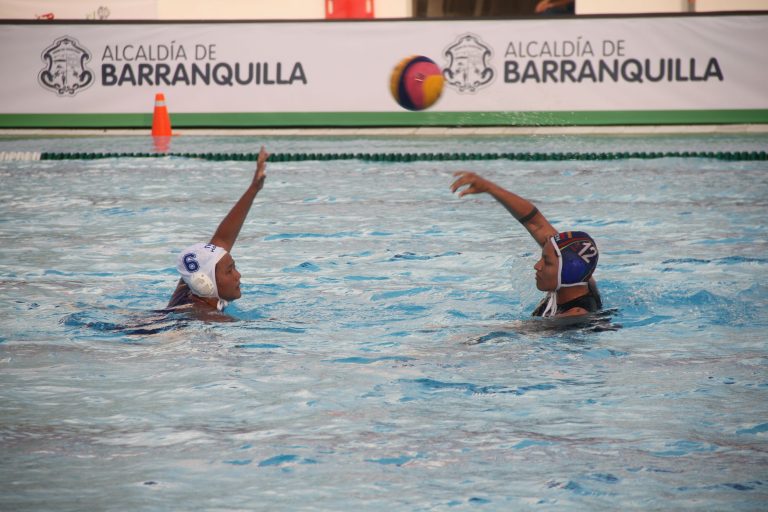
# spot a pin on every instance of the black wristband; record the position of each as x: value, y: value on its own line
x: 528, y: 217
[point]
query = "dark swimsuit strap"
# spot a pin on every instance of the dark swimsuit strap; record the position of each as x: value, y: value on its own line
x: 587, y: 302
x: 590, y: 302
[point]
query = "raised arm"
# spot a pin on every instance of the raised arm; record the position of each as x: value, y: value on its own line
x: 520, y: 208
x: 229, y: 228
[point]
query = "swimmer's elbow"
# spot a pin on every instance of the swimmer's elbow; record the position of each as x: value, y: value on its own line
x: 541, y: 231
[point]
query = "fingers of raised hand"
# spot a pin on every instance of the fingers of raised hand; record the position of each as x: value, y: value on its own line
x: 263, y: 156
x: 464, y: 178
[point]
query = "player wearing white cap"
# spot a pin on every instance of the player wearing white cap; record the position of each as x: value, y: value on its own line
x: 209, y: 278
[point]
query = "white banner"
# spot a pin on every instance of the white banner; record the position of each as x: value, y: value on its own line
x: 542, y: 65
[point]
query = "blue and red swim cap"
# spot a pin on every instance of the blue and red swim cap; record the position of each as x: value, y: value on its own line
x: 577, y: 257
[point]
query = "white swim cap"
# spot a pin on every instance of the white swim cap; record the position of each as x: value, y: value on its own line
x: 197, y: 266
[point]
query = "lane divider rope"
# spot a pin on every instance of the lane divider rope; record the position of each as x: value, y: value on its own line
x: 399, y: 157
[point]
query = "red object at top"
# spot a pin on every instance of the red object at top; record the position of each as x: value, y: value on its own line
x: 348, y: 9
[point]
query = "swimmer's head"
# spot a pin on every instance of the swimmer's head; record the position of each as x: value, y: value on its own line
x: 197, y: 266
x: 577, y: 257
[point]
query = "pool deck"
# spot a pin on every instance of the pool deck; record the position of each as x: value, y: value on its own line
x: 427, y: 131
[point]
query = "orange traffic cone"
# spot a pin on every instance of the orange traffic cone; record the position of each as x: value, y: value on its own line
x: 161, y: 121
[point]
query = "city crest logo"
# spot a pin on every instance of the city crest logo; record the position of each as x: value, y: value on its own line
x: 468, y: 64
x: 65, y: 71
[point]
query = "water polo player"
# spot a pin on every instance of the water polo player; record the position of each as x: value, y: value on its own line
x: 567, y: 259
x: 209, y: 278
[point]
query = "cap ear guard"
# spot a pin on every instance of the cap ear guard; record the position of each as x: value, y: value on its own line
x: 575, y: 270
x: 201, y: 285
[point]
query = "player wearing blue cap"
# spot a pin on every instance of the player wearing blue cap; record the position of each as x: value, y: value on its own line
x: 209, y: 278
x: 567, y: 261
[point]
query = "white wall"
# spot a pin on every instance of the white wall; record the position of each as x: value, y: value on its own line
x: 731, y: 5
x: 267, y: 9
x: 393, y: 8
x: 630, y: 6
x: 666, y: 6
x: 79, y: 9
x: 240, y: 9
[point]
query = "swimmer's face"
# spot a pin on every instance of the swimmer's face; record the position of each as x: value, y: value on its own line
x: 227, y: 278
x: 547, y: 269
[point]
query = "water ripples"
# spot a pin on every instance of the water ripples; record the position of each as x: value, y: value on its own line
x: 382, y: 353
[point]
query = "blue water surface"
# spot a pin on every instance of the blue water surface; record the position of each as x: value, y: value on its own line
x: 383, y: 356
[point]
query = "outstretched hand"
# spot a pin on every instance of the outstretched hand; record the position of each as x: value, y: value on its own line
x: 261, y: 167
x: 474, y: 183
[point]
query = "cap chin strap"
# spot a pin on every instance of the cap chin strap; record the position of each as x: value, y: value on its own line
x: 222, y: 304
x: 551, y: 309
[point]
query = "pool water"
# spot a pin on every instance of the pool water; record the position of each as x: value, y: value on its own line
x: 383, y: 357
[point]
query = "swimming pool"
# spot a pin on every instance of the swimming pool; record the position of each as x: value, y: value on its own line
x: 384, y: 358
